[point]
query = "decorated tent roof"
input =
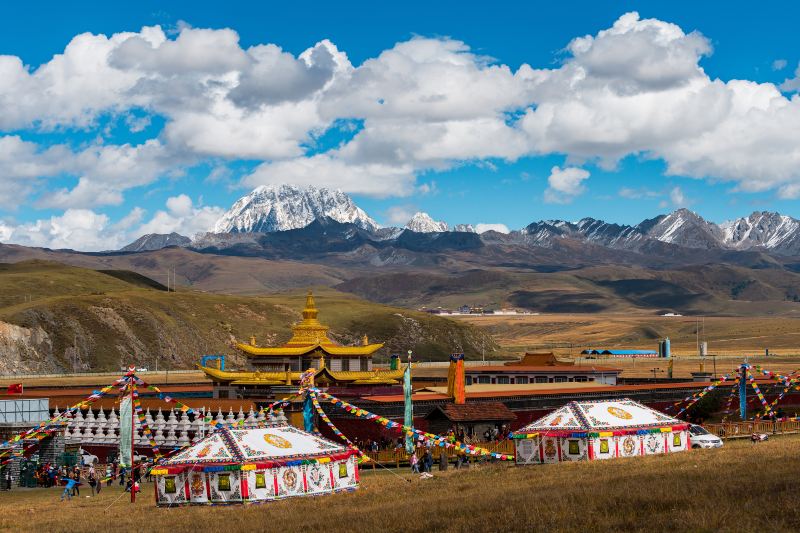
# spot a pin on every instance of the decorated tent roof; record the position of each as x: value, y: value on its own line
x: 250, y: 444
x: 601, y: 415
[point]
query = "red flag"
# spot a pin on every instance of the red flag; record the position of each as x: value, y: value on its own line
x: 14, y: 388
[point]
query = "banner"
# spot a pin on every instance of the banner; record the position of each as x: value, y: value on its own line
x: 308, y: 414
x: 125, y: 432
x: 14, y: 388
x: 408, y: 419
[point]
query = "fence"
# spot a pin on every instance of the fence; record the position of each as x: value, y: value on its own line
x: 734, y: 430
x: 399, y: 456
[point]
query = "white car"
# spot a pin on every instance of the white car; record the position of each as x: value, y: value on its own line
x: 87, y: 458
x: 702, y: 438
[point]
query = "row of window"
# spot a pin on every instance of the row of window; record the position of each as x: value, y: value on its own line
x: 524, y: 380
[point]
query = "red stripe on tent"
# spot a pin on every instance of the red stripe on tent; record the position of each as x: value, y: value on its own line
x: 186, y: 487
x: 245, y: 487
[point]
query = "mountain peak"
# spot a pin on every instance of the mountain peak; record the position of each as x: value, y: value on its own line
x: 271, y: 208
x: 156, y: 241
x: 423, y: 223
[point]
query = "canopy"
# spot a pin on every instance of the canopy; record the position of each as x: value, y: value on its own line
x: 256, y: 444
x: 601, y: 415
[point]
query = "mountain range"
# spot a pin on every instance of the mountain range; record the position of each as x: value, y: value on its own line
x: 290, y: 238
x: 271, y: 209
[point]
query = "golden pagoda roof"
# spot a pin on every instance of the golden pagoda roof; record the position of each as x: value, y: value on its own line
x: 379, y: 376
x: 307, y: 336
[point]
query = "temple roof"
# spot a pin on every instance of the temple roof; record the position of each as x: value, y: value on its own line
x: 359, y: 377
x: 308, y: 336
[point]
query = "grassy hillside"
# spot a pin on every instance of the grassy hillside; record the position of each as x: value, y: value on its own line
x: 740, y: 487
x: 57, y: 314
x: 711, y: 289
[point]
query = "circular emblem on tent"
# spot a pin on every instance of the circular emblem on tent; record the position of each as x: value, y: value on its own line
x: 620, y: 413
x: 277, y: 441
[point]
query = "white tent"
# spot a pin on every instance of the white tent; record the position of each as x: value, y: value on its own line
x: 255, y: 464
x: 602, y: 429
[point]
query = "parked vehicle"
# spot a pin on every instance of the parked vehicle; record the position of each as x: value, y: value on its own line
x: 87, y: 458
x: 701, y: 438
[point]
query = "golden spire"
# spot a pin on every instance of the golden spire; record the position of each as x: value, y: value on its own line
x: 322, y: 361
x: 365, y: 341
x: 310, y: 311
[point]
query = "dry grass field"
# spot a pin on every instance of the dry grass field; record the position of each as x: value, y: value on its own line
x: 730, y: 339
x: 737, y: 488
x: 725, y: 335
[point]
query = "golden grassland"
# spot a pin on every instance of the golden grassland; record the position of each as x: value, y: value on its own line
x: 737, y: 488
x: 725, y: 335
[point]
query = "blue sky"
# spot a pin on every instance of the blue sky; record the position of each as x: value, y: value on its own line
x: 499, y: 113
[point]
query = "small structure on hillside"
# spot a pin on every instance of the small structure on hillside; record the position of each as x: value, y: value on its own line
x: 541, y: 359
x: 255, y: 464
x: 471, y: 419
x: 603, y: 429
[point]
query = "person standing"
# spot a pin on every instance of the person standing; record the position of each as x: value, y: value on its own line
x: 76, y: 476
x: 428, y: 461
x: 92, y: 479
x: 414, y: 463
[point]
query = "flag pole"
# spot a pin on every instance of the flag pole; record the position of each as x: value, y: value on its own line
x: 133, y: 439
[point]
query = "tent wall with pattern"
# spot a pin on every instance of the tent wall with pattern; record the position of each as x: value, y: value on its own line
x: 604, y: 429
x: 252, y: 464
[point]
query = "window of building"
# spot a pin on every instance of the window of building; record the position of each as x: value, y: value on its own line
x: 581, y: 379
x: 541, y: 379
x: 345, y: 364
x: 364, y: 364
x: 484, y: 379
x: 503, y: 380
x: 521, y: 379
x: 560, y: 379
x: 603, y: 445
x: 469, y: 380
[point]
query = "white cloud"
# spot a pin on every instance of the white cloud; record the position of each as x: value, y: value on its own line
x: 499, y: 228
x: 78, y: 229
x: 323, y: 170
x: 779, y: 64
x: 678, y: 198
x: 181, y: 216
x: 398, y: 215
x: 426, y: 104
x: 564, y: 184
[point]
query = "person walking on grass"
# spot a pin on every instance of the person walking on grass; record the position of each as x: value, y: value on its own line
x: 92, y: 479
x: 414, y: 463
x: 76, y: 476
x: 68, y: 488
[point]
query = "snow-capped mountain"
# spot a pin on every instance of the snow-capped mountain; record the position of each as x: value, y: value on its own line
x: 285, y: 207
x: 772, y: 231
x: 156, y: 241
x: 686, y: 228
x: 423, y: 223
x: 464, y: 228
